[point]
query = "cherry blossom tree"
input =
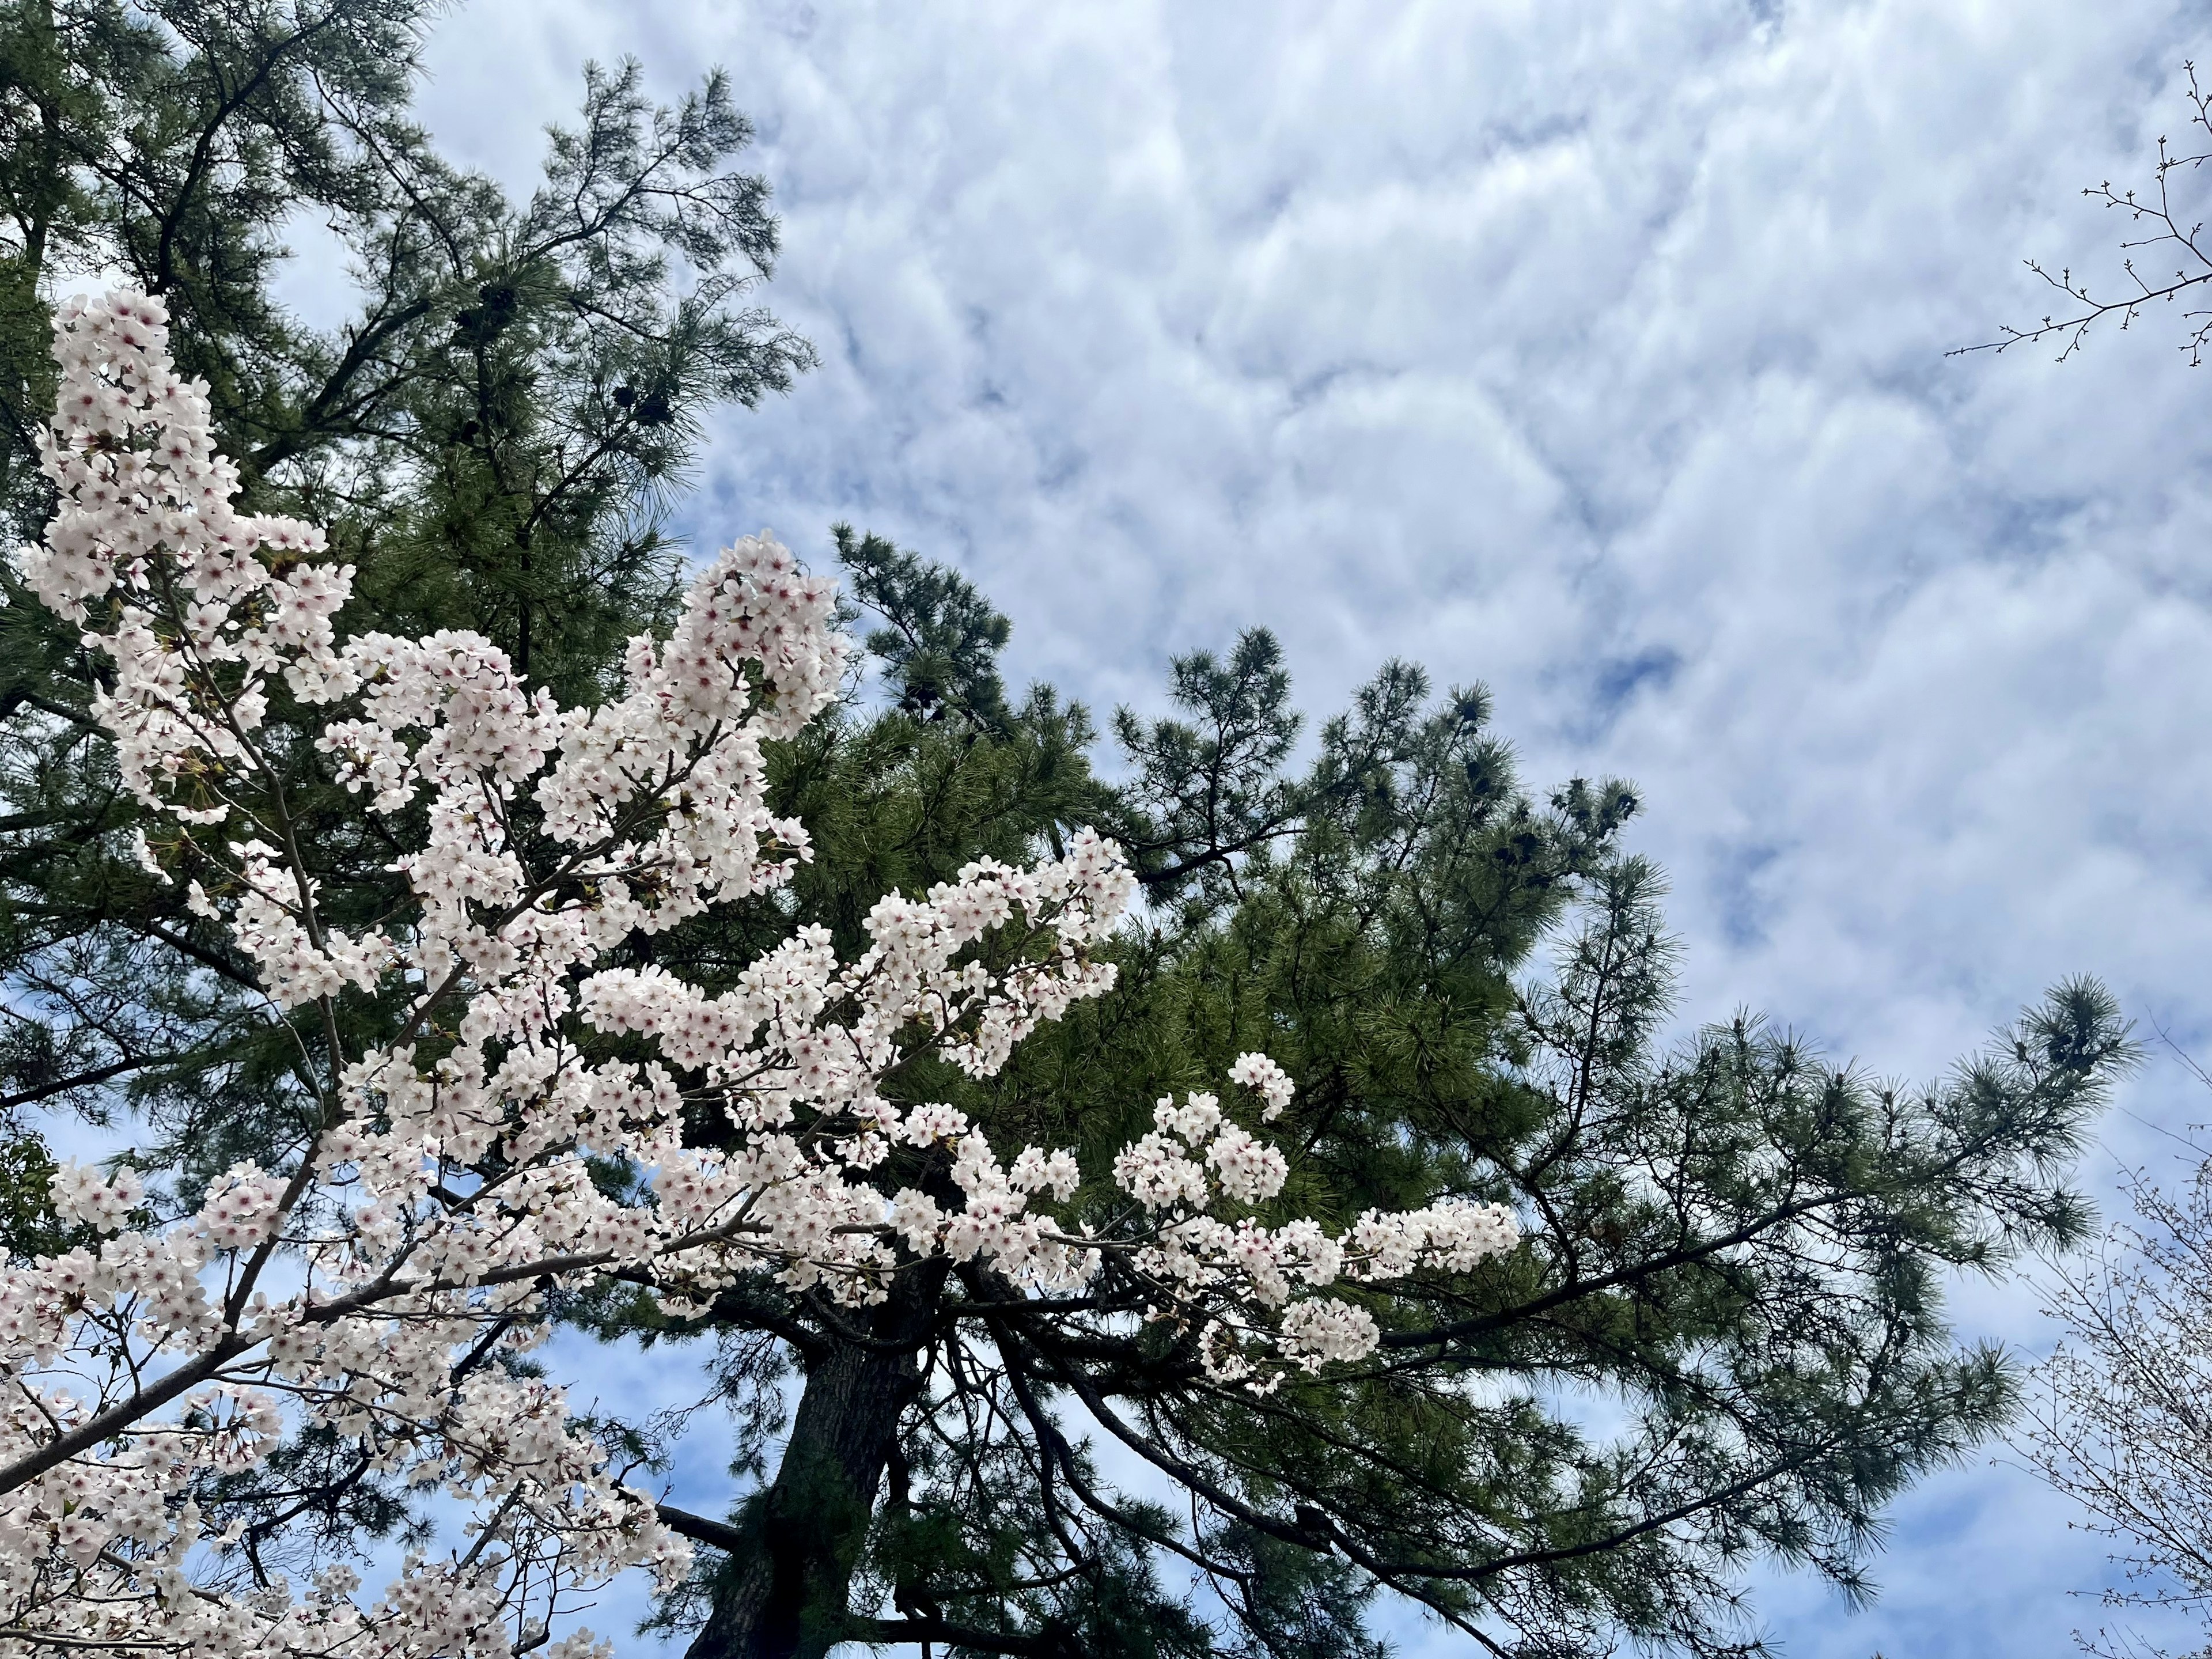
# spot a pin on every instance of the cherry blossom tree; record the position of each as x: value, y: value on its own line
x: 375, y: 1293
x: 2120, y: 1423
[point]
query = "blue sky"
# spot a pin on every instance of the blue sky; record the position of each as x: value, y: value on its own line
x: 1592, y: 350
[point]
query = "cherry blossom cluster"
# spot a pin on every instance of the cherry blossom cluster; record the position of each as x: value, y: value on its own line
x: 379, y: 1287
x: 1194, y: 1157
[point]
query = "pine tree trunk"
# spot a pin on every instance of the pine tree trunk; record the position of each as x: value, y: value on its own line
x: 786, y: 1599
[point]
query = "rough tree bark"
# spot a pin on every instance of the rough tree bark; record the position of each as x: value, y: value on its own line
x: 785, y: 1596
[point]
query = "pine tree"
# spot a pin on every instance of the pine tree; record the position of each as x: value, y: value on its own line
x: 1740, y: 1245
x: 493, y: 440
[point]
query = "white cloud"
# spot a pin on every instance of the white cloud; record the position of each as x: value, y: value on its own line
x: 1595, y: 352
